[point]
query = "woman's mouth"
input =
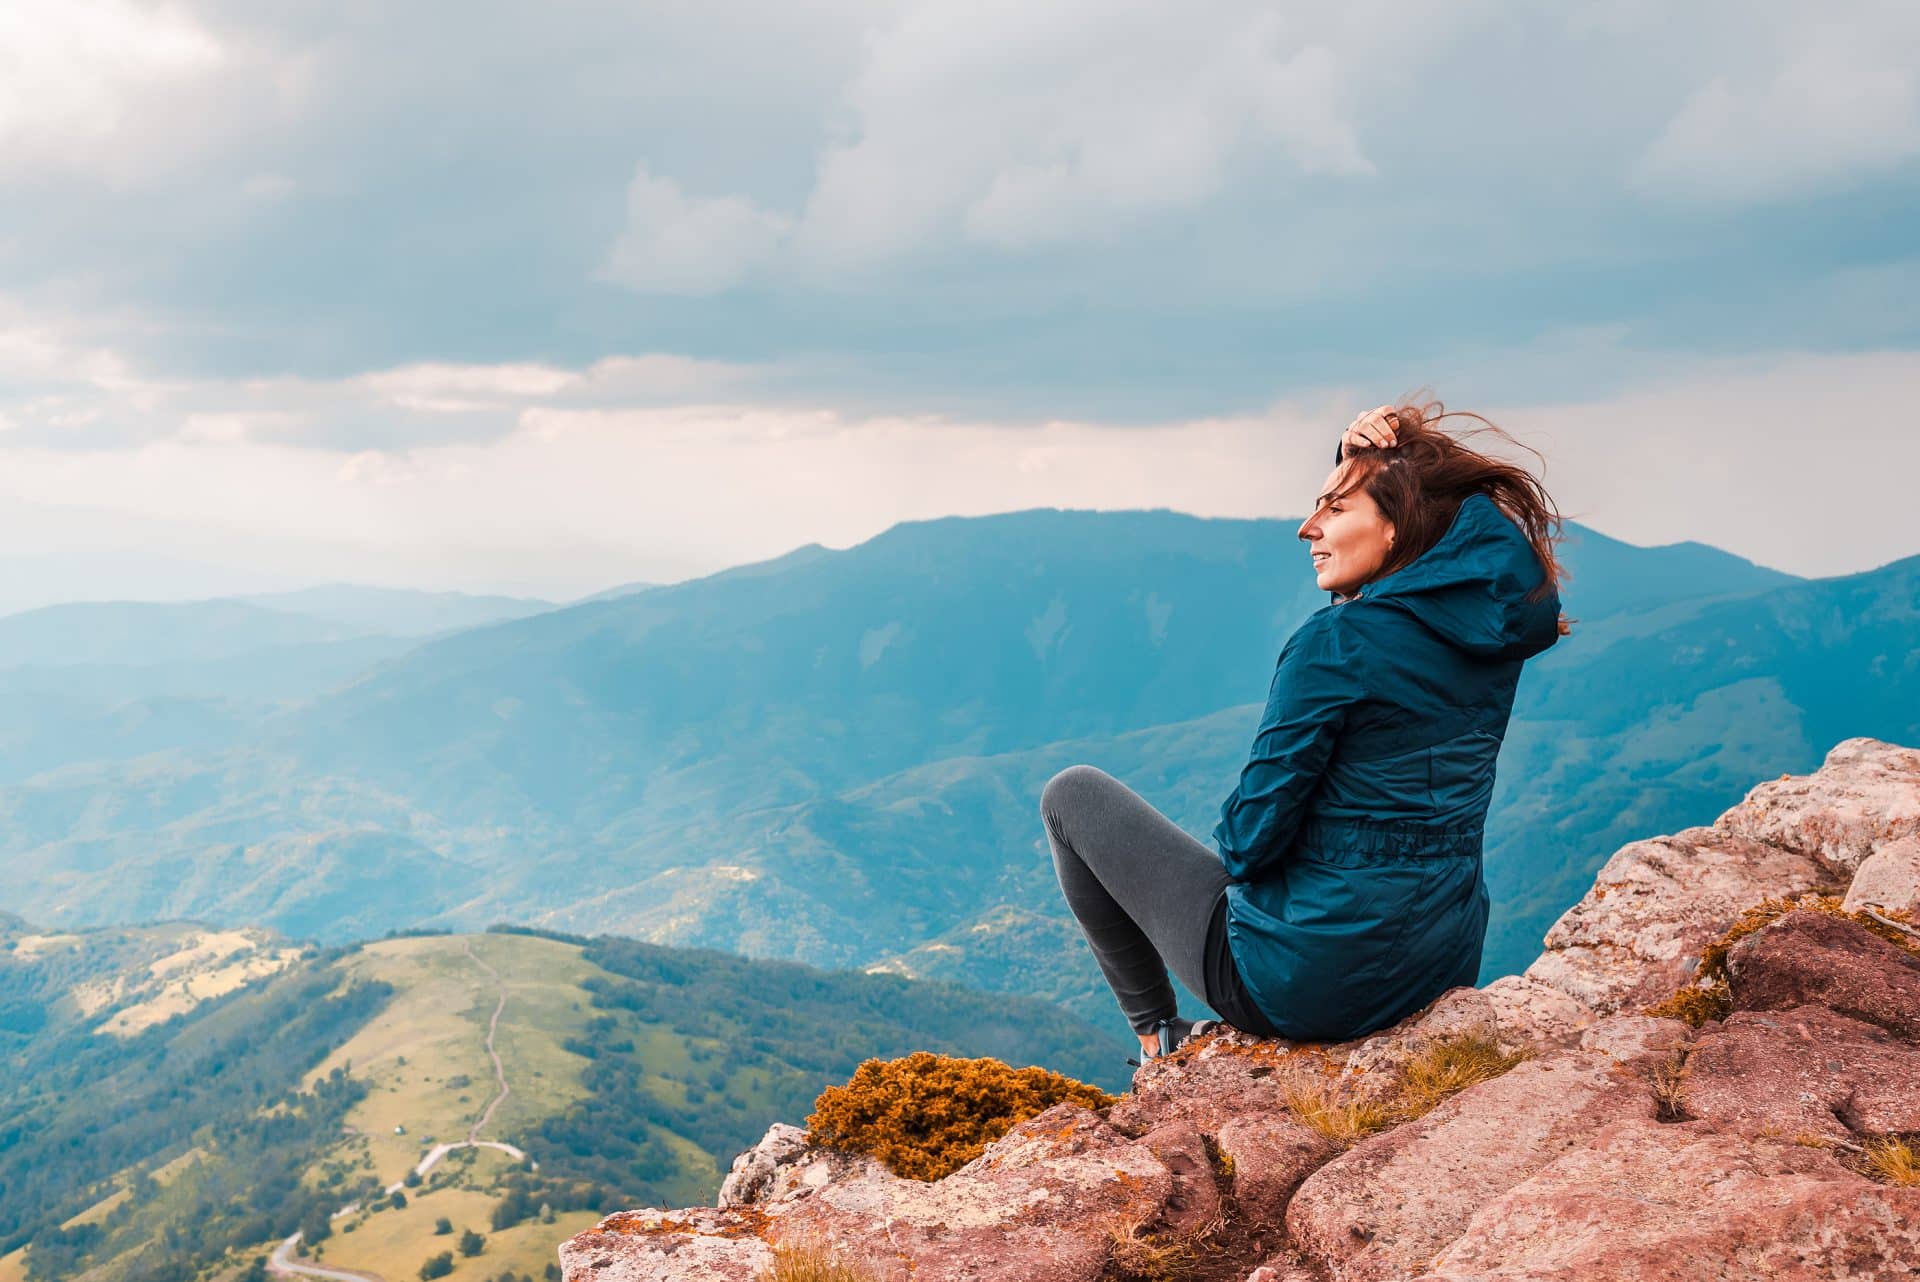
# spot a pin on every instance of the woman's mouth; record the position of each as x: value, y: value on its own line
x: 1320, y: 558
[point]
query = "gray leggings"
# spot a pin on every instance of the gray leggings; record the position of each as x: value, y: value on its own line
x: 1144, y: 892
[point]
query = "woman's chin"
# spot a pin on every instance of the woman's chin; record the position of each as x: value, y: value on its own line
x: 1327, y: 583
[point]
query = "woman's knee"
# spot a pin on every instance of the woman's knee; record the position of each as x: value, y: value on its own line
x: 1065, y: 789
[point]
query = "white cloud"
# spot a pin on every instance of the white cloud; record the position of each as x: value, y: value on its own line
x: 1793, y: 460
x: 1115, y: 152
x: 71, y: 71
x: 674, y: 243
x: 139, y: 93
x: 1012, y: 126
x: 986, y: 128
x: 1837, y: 97
x: 62, y: 388
x: 1800, y: 461
x: 1016, y: 126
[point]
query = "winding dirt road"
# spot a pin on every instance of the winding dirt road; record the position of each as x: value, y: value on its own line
x: 493, y: 1027
x: 281, y: 1262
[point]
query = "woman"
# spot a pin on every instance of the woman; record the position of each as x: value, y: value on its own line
x: 1345, y: 891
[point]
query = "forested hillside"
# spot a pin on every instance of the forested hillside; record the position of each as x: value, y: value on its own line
x: 192, y: 1145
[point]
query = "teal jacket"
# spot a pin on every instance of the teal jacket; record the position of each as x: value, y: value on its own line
x: 1352, y: 841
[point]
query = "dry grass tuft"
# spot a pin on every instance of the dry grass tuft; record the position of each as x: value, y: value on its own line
x: 1669, y: 1088
x: 1445, y: 1068
x: 1336, y: 1113
x: 1139, y: 1256
x: 927, y: 1115
x: 1439, y: 1070
x: 1696, y: 1003
x: 812, y: 1262
x: 1894, y: 1160
x: 1222, y: 1162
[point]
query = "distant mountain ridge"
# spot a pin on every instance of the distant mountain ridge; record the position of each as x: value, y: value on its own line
x: 836, y: 755
x: 399, y: 611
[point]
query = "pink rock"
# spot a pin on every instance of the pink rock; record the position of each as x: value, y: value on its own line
x: 1637, y: 935
x: 1805, y: 1071
x: 1032, y: 1208
x: 1282, y: 1270
x: 1629, y: 1037
x: 1387, y: 1205
x: 702, y: 1245
x: 1182, y: 1149
x: 1888, y: 880
x: 1864, y: 794
x: 1533, y: 1013
x: 1637, y: 1202
x: 1214, y: 1079
x: 1458, y: 1012
x: 1231, y: 1074
x: 1270, y: 1154
x: 784, y: 1165
x: 1818, y: 958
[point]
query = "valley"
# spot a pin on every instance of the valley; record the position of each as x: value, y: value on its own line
x: 509, y: 1084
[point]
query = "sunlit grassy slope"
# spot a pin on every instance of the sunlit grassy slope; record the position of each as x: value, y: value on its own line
x: 425, y: 1054
x: 393, y: 1243
x: 635, y: 1073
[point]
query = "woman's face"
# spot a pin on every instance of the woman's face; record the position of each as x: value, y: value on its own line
x: 1347, y: 537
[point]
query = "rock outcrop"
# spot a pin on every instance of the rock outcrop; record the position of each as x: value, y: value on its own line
x: 1596, y: 1141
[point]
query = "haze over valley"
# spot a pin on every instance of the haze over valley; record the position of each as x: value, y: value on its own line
x: 835, y: 757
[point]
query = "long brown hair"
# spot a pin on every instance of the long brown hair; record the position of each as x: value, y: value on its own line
x: 1420, y: 482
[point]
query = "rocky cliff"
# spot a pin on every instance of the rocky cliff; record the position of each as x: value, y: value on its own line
x: 1543, y: 1127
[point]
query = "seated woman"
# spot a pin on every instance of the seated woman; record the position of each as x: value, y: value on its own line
x: 1346, y: 891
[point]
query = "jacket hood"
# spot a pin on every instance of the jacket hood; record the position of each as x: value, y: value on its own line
x: 1471, y: 587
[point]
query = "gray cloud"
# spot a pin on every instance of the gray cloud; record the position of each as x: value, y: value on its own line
x: 1210, y: 197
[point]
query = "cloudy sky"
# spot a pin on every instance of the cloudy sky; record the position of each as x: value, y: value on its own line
x: 545, y: 298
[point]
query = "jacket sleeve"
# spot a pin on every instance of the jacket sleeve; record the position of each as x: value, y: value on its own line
x: 1315, y: 684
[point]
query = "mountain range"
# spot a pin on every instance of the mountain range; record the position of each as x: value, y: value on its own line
x: 836, y: 756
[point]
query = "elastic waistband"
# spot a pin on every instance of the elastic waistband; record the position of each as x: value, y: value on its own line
x: 1394, y: 840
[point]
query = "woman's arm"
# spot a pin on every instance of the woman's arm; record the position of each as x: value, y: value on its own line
x: 1314, y: 684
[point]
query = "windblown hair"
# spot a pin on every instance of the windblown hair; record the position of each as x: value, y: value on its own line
x: 1421, y: 481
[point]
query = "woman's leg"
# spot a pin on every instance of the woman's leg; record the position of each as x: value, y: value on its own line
x: 1142, y: 889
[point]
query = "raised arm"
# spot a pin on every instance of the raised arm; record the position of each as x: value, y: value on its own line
x: 1314, y: 685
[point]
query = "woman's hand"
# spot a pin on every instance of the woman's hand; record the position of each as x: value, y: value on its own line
x: 1375, y: 428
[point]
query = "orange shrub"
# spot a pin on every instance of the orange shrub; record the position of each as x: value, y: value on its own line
x: 927, y: 1115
